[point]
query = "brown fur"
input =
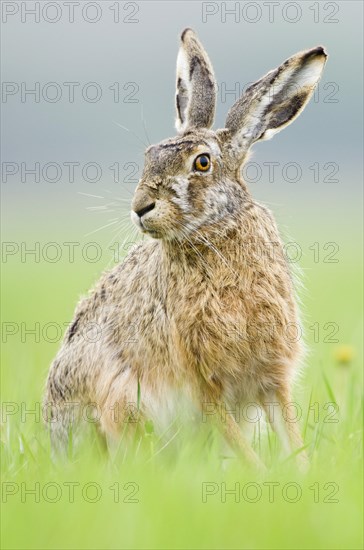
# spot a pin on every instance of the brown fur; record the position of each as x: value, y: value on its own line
x: 199, y: 313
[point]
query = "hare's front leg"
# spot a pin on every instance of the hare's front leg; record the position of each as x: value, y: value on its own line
x: 278, y: 406
x: 232, y: 433
x: 240, y: 444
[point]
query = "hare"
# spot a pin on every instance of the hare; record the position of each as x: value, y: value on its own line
x: 199, y: 312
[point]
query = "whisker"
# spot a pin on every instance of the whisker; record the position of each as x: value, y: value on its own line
x: 204, y: 262
x: 127, y: 190
x: 144, y: 124
x: 98, y: 208
x: 128, y: 238
x: 218, y: 252
x: 130, y: 131
x: 101, y: 228
x: 88, y: 195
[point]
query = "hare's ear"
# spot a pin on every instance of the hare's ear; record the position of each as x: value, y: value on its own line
x: 275, y: 100
x: 196, y: 86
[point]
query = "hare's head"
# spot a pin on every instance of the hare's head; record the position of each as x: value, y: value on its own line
x: 193, y: 181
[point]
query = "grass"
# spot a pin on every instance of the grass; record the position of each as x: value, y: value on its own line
x: 182, y: 495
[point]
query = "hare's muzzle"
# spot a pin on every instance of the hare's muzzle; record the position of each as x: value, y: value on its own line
x: 140, y: 209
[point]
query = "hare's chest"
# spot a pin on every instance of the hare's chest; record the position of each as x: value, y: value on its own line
x: 211, y: 321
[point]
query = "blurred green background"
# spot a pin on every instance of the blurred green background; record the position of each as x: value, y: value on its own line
x: 315, y: 195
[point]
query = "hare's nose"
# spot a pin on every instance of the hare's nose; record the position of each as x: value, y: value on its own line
x: 144, y: 210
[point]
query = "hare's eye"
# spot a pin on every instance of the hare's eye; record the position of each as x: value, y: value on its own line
x: 202, y: 163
